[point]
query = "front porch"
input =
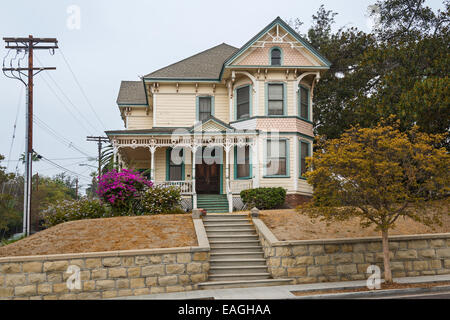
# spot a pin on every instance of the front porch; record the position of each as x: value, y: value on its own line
x: 198, y: 164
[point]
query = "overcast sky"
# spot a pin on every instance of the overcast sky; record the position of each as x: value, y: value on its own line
x: 120, y: 40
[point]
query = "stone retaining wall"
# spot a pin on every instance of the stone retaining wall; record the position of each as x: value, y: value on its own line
x: 107, y: 274
x: 347, y: 259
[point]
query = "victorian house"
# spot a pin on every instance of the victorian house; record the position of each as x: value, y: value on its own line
x: 224, y: 120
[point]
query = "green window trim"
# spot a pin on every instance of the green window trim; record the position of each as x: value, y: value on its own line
x: 168, y: 151
x: 308, y: 112
x: 300, y: 156
x: 266, y: 93
x: 197, y: 105
x: 250, y: 176
x: 281, y: 56
x: 287, y: 175
x: 250, y: 107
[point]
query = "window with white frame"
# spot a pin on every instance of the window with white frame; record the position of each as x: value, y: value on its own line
x: 304, y: 103
x: 304, y: 153
x: 242, y: 162
x: 243, y: 102
x: 204, y: 108
x: 175, y: 164
x: 275, y: 57
x: 275, y: 99
x: 277, y: 158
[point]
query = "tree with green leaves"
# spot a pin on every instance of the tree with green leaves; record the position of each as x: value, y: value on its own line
x: 400, y: 68
x: 379, y: 175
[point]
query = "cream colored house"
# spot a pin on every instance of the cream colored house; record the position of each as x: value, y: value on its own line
x: 242, y: 115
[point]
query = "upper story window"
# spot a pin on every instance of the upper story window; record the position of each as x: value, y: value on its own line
x: 275, y: 99
x: 205, y: 107
x: 275, y: 57
x: 243, y: 102
x: 304, y: 102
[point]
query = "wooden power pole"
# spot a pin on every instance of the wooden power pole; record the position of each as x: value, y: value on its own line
x: 27, y: 45
x: 99, y: 141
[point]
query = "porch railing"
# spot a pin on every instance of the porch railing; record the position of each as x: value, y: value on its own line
x: 185, y: 186
x: 238, y: 185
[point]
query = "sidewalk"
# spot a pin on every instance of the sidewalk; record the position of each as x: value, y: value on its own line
x: 277, y: 292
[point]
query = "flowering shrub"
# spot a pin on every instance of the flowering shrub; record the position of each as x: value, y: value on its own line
x: 69, y: 210
x: 122, y: 190
x: 161, y: 199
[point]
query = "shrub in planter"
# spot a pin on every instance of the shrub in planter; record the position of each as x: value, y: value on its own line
x: 70, y: 210
x: 122, y: 190
x: 160, y: 199
x: 264, y: 198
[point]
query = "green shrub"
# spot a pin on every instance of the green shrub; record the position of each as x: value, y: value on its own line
x: 264, y: 198
x: 70, y: 210
x: 159, y: 199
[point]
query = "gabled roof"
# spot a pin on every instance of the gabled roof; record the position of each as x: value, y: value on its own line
x: 131, y: 93
x: 211, y: 119
x: 291, y: 31
x: 205, y: 65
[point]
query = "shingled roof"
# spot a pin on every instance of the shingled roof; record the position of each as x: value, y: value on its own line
x: 131, y: 92
x: 204, y: 65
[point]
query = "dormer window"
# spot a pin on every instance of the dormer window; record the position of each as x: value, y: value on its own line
x: 275, y: 57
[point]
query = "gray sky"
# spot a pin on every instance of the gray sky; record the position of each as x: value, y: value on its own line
x: 120, y: 40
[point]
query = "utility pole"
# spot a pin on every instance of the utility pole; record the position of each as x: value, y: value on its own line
x: 27, y: 45
x: 99, y: 141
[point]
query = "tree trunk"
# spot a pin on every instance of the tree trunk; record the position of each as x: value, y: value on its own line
x: 386, y: 257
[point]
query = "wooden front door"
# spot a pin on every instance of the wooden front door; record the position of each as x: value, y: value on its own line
x: 207, y: 178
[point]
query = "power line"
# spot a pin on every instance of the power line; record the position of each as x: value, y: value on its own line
x: 58, y: 136
x: 15, y: 126
x: 72, y: 104
x: 64, y: 169
x: 82, y: 91
x: 72, y: 158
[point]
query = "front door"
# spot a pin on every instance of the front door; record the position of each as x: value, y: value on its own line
x: 207, y: 178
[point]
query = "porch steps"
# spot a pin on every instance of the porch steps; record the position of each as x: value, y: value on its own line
x: 236, y: 257
x: 213, y: 203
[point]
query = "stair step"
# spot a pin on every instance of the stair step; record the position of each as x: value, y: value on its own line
x: 229, y: 227
x: 237, y: 262
x: 238, y: 269
x: 238, y: 276
x: 231, y: 243
x: 237, y: 255
x: 237, y: 249
x: 244, y: 283
x: 227, y: 216
x: 207, y: 222
x: 232, y: 237
x: 230, y: 233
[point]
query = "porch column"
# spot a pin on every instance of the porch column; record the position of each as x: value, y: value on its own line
x: 115, y: 161
x: 194, y: 193
x: 227, y: 178
x: 255, y: 164
x: 152, y: 163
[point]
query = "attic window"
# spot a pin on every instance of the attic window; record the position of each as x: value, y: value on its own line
x: 275, y: 57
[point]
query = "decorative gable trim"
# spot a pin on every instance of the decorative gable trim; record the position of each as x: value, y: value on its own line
x: 289, y: 30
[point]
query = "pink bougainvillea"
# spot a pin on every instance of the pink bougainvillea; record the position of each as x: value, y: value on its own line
x: 119, y: 189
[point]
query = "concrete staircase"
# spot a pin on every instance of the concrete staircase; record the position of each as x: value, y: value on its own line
x: 213, y: 203
x: 237, y: 258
